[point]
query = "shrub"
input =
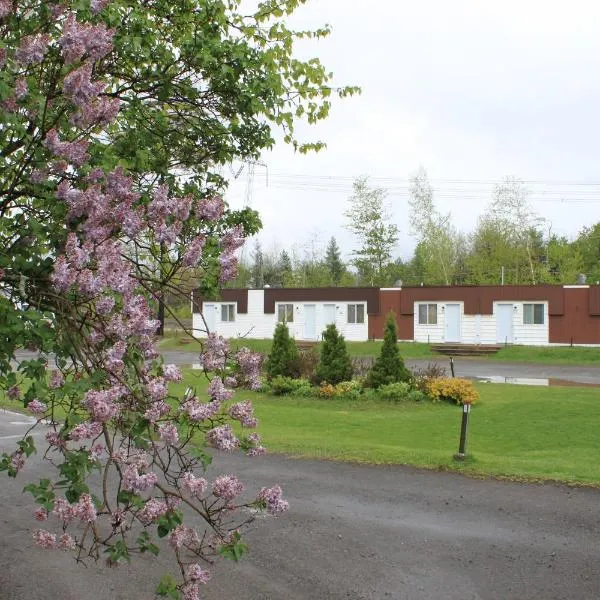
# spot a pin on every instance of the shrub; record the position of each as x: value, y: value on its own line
x: 350, y: 390
x: 334, y: 364
x: 450, y: 389
x: 281, y: 386
x: 283, y: 358
x: 304, y: 389
x: 389, y: 366
x: 361, y: 365
x: 421, y: 377
x: 417, y: 396
x: 306, y: 364
x: 395, y: 392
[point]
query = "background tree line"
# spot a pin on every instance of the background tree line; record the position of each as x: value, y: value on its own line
x: 510, y: 244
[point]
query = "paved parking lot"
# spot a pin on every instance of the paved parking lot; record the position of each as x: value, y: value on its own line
x: 354, y: 532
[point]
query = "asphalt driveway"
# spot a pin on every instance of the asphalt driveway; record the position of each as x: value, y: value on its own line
x: 353, y: 532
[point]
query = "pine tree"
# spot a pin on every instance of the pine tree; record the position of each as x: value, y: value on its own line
x: 389, y: 366
x: 333, y: 261
x: 258, y: 266
x: 283, y: 358
x: 334, y: 364
x: 286, y: 271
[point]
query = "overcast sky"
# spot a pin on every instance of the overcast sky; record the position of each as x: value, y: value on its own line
x: 471, y: 90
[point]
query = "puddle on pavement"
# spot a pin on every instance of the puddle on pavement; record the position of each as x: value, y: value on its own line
x: 541, y: 381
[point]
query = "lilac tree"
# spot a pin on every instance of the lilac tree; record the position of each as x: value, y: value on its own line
x: 114, y: 116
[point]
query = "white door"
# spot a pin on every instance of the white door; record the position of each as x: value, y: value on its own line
x: 209, y: 312
x: 329, y: 314
x: 504, y: 324
x: 310, y: 322
x: 452, y: 323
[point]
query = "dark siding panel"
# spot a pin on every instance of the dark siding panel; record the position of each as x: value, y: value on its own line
x: 368, y: 295
x: 479, y: 300
x: 594, y: 296
x: 577, y: 324
x: 238, y: 295
x: 389, y: 300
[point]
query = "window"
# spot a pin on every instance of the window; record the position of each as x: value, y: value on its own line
x: 227, y: 313
x: 356, y: 313
x: 285, y: 313
x: 533, y: 314
x: 427, y: 314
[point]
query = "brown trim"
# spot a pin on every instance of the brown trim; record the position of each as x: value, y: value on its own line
x: 289, y: 295
x: 239, y: 296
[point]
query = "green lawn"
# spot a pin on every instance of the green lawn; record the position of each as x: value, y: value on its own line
x: 540, y: 433
x: 516, y: 431
x: 408, y: 349
x: 564, y: 355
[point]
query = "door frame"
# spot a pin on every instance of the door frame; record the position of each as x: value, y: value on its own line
x: 446, y: 321
x: 313, y: 335
x: 505, y: 338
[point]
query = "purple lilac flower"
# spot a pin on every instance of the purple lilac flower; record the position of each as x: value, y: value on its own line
x: 210, y: 209
x: 244, y: 413
x: 21, y: 88
x: 6, y: 7
x: 217, y: 391
x: 134, y: 482
x: 273, y: 502
x: 194, y: 251
x: 227, y: 487
x: 200, y: 411
x: 44, y: 539
x: 196, y: 486
x: 97, y: 6
x: 183, y: 536
x: 153, y: 509
x: 74, y: 152
x: 85, y: 431
x: 79, y: 39
x: 222, y: 438
x: 168, y: 434
x: 197, y: 574
x: 172, y: 373
x: 215, y: 353
x: 13, y: 392
x: 41, y: 514
x: 32, y: 49
x: 36, y: 407
x: 66, y: 542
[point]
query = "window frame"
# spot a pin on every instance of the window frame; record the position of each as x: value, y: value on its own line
x: 288, y: 307
x: 355, y: 309
x: 531, y: 313
x: 228, y: 309
x: 428, y: 308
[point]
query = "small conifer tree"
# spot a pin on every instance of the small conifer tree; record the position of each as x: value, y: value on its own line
x: 389, y: 366
x: 283, y: 358
x: 334, y: 364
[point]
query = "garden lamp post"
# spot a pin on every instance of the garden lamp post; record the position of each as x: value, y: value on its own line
x: 464, y: 426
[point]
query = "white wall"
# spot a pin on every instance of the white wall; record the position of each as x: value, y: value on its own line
x: 529, y: 335
x: 481, y: 329
x: 436, y: 334
x: 256, y: 324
